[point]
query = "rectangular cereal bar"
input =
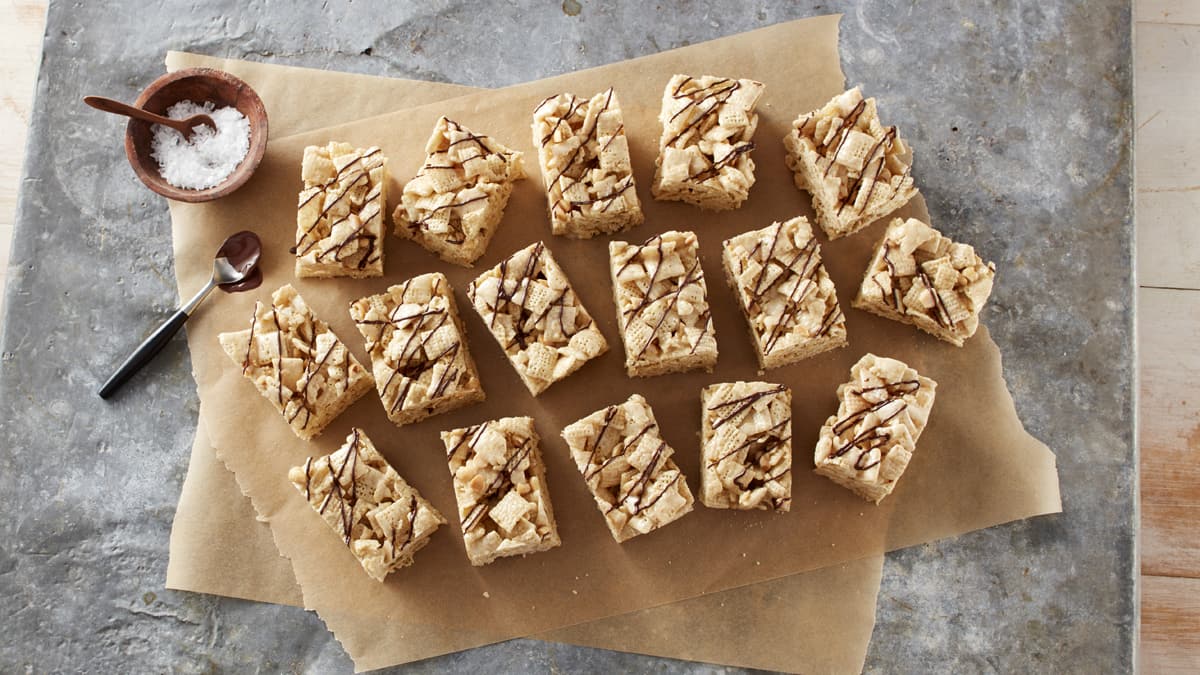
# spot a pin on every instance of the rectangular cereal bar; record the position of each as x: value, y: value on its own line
x: 785, y: 293
x: 662, y: 305
x: 532, y: 311
x: 500, y: 485
x: 584, y: 157
x: 418, y: 349
x: 380, y: 517
x: 628, y: 467
x: 297, y: 363
x: 920, y: 277
x: 704, y: 153
x: 881, y: 413
x: 856, y: 169
x: 454, y: 204
x: 746, y: 446
x: 339, y: 222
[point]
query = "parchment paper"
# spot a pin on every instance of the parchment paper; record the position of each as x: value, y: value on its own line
x: 975, y: 467
x: 821, y: 619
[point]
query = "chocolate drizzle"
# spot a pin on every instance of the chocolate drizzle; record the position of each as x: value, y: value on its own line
x: 346, y: 502
x: 692, y: 275
x: 500, y: 485
x: 742, y: 404
x: 579, y: 165
x: 718, y: 92
x: 871, y: 440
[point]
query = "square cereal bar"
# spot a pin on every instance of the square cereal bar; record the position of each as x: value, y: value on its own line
x: 383, y: 519
x: 746, y: 446
x: 418, y: 349
x: 532, y: 311
x: 704, y: 153
x: 662, y: 305
x: 297, y: 363
x: 919, y: 277
x: 584, y: 157
x: 881, y: 413
x: 856, y: 169
x: 339, y: 222
x: 628, y: 468
x: 500, y: 486
x: 454, y: 204
x: 785, y: 293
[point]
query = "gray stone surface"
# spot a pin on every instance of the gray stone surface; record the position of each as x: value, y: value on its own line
x: 1020, y: 113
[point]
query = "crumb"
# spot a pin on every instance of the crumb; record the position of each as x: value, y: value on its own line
x: 486, y: 594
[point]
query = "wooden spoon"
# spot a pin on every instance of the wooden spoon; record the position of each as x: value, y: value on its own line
x: 184, y: 126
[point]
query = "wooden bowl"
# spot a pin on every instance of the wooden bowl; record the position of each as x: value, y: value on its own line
x: 198, y: 85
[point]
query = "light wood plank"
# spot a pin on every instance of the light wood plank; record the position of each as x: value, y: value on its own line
x: 1167, y: 70
x: 1168, y: 247
x: 1167, y: 11
x: 1169, y: 328
x: 21, y: 26
x: 1170, y: 614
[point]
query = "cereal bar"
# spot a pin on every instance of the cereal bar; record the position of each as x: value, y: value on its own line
x: 746, y: 446
x: 785, y: 293
x: 584, y: 157
x: 380, y: 517
x: 418, y: 349
x: 856, y: 169
x: 500, y: 486
x: 662, y: 305
x: 704, y: 153
x: 881, y: 413
x: 339, y: 222
x: 454, y: 204
x: 628, y: 467
x: 532, y: 311
x: 920, y: 277
x: 297, y: 363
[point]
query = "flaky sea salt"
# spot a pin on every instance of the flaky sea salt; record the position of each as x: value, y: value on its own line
x: 210, y: 156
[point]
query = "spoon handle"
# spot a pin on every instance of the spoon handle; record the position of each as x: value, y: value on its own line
x: 118, y: 108
x: 145, y: 351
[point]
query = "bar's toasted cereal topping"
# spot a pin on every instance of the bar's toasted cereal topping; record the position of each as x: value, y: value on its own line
x: 456, y: 200
x: 921, y: 277
x: 500, y: 486
x: 704, y: 152
x: 584, y: 157
x: 747, y: 446
x: 628, y: 467
x: 662, y: 304
x: 784, y: 292
x: 882, y: 411
x: 339, y: 221
x: 419, y: 354
x: 856, y: 169
x: 297, y: 363
x: 380, y: 517
x: 529, y: 306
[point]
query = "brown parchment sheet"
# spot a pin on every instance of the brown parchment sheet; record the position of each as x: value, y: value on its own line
x: 219, y: 546
x: 975, y: 467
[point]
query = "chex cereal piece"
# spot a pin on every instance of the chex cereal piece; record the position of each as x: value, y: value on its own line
x: 418, y: 349
x: 881, y: 413
x: 856, y: 169
x: 704, y: 153
x: 785, y: 293
x: 536, y: 317
x: 920, y: 277
x: 297, y: 363
x: 500, y: 486
x: 454, y: 204
x: 662, y: 305
x: 628, y: 467
x: 584, y: 157
x: 380, y: 517
x: 746, y: 446
x: 339, y: 222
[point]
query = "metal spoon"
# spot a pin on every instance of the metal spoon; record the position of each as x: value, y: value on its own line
x: 235, y: 269
x: 185, y: 126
